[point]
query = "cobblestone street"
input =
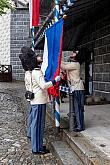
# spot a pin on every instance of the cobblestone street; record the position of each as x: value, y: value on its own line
x: 15, y: 148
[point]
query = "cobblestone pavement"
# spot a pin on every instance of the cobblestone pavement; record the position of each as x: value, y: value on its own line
x: 15, y: 148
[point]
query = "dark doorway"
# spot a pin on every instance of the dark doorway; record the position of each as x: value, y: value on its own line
x: 89, y: 74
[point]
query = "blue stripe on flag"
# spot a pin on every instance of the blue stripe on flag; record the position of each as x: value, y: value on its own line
x: 53, y: 34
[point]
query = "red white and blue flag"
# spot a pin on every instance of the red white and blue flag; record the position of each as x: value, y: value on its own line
x: 52, y: 54
x: 34, y: 8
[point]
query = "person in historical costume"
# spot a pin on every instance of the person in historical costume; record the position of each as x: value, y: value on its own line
x: 35, y: 77
x: 75, y: 83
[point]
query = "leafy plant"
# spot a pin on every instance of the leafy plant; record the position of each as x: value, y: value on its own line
x: 5, y: 4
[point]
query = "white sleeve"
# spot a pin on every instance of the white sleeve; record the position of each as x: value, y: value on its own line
x: 27, y: 80
x: 38, y: 76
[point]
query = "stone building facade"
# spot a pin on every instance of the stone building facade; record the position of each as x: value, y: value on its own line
x: 15, y: 33
x: 20, y: 36
x: 97, y: 39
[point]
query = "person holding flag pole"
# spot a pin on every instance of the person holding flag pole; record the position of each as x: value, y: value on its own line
x: 36, y: 84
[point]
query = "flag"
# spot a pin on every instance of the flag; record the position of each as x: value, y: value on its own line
x: 34, y: 8
x: 52, y: 54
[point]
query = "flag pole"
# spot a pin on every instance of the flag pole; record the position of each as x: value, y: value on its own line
x: 57, y: 10
x: 33, y: 38
x: 34, y: 7
x: 57, y: 100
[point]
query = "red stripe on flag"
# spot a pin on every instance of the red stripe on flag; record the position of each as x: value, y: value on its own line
x: 35, y: 12
x: 54, y: 90
x: 60, y: 56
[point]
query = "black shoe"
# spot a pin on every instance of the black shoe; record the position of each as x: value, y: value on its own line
x: 29, y: 138
x: 78, y: 130
x: 44, y: 147
x: 41, y: 152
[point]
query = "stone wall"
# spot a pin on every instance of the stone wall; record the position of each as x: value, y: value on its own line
x: 19, y: 37
x: 97, y: 39
x: 65, y: 55
x: 5, y: 38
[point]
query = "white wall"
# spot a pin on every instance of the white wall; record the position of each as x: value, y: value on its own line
x: 5, y: 38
